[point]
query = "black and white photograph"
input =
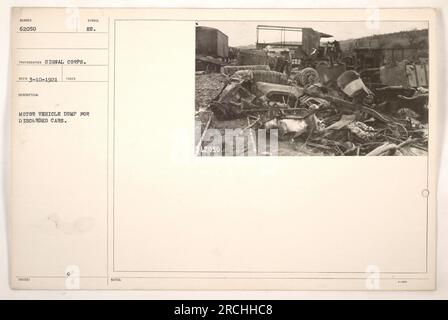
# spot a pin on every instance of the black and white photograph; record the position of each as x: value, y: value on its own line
x: 322, y: 127
x: 308, y: 88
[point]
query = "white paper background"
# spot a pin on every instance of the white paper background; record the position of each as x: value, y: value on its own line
x: 5, y: 292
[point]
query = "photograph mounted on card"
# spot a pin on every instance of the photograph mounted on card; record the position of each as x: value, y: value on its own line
x: 223, y: 149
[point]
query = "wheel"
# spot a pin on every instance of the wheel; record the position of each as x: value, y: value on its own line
x: 308, y: 76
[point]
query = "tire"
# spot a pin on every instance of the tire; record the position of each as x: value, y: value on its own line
x: 308, y: 76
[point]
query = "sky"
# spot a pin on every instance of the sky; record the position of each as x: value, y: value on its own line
x: 244, y: 33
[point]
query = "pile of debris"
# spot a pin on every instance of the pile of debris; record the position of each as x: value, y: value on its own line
x: 343, y: 118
